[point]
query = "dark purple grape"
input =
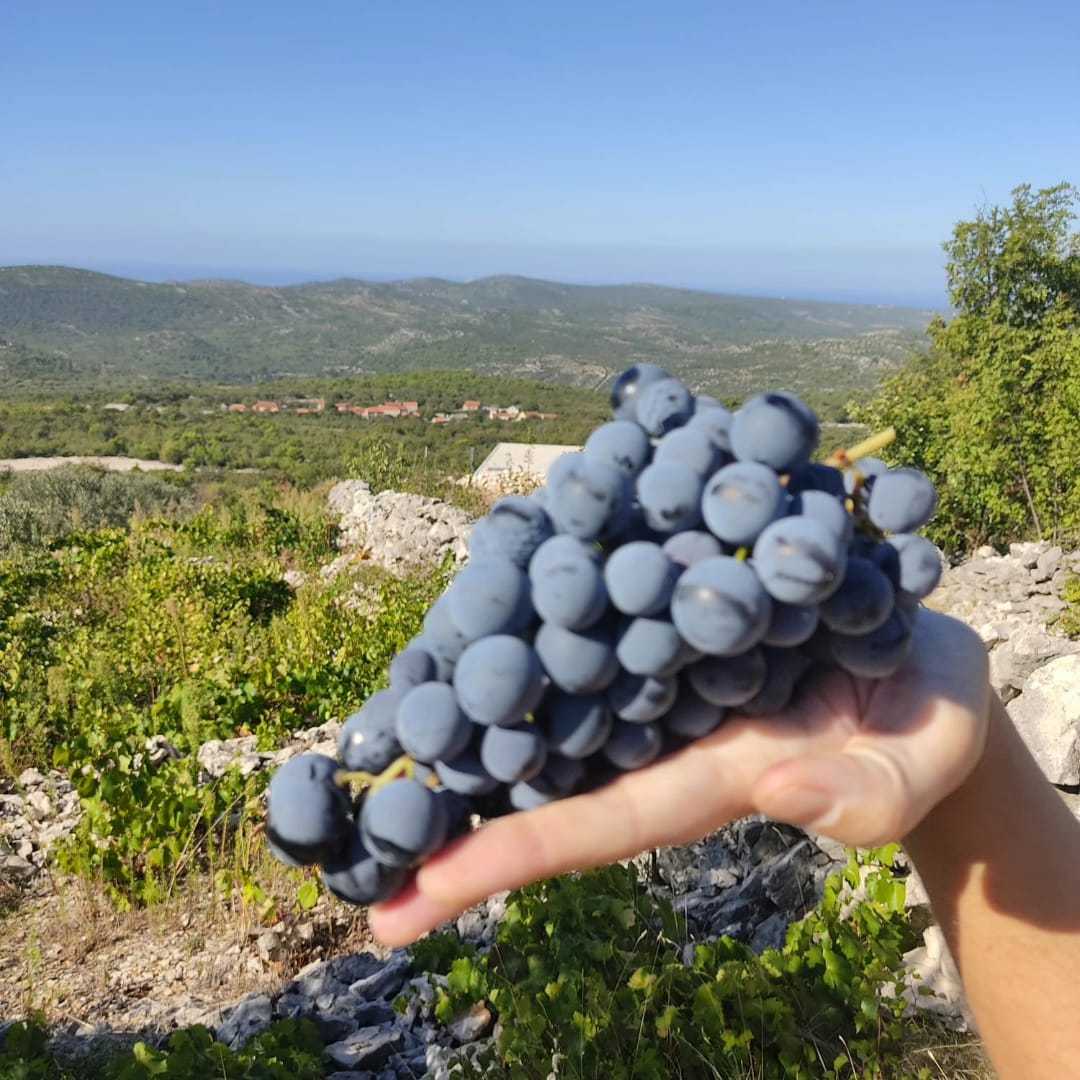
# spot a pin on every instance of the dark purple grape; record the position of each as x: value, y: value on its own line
x: 640, y: 699
x: 632, y: 746
x: 308, y: 816
x: 784, y: 669
x: 878, y: 654
x: 355, y: 876
x: 728, y: 680
x: 692, y: 717
x: 776, y: 429
x: 720, y: 606
x: 576, y: 725
x: 629, y: 385
x: 402, y: 823
x: 902, y: 500
x: 799, y: 560
x: 498, y: 680
x: 513, y: 529
x: 663, y: 406
x: 863, y: 601
x: 740, y: 500
x: 368, y: 739
x: 622, y: 444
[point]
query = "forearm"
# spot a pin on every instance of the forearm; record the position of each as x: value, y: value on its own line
x: 1000, y: 859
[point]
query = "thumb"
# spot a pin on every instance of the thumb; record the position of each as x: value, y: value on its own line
x: 861, y: 796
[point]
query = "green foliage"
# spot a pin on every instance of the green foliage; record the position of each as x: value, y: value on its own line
x: 189, y: 426
x: 182, y: 629
x: 1068, y: 622
x: 24, y: 1056
x: 39, y: 508
x: 287, y: 1050
x: 588, y: 977
x: 992, y: 413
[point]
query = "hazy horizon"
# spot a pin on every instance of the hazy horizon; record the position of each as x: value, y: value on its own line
x: 284, y: 276
x: 781, y: 149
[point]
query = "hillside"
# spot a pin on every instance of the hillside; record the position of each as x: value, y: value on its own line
x: 56, y: 319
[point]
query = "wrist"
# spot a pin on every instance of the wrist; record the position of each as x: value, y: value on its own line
x: 979, y: 779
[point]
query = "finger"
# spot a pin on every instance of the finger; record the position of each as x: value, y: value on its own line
x: 679, y: 799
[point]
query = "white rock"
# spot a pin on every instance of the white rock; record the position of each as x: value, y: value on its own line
x: 1027, y: 554
x: 294, y: 578
x: 396, y: 530
x: 1047, y: 563
x: 915, y: 894
x: 1026, y: 650
x: 472, y: 1024
x: 217, y: 756
x: 268, y: 944
x: 931, y: 967
x: 1047, y: 716
x: 15, y: 868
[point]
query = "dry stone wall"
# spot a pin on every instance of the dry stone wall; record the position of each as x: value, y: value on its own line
x: 1012, y: 601
x: 395, y: 530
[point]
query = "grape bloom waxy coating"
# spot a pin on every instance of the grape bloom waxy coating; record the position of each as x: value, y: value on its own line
x: 688, y: 565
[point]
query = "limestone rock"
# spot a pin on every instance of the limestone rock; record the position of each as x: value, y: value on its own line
x: 396, y: 530
x: 386, y: 981
x: 930, y: 967
x: 472, y: 1024
x: 254, y: 1014
x: 217, y: 756
x: 367, y: 1048
x: 1047, y: 715
x: 1027, y: 649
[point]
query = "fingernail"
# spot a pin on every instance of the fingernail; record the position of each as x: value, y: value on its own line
x: 803, y: 806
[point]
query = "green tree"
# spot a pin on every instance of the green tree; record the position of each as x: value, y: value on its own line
x: 1013, y: 264
x: 992, y: 412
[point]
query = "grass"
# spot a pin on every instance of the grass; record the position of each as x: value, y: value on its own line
x: 946, y: 1054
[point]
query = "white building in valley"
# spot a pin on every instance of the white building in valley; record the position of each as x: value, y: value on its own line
x: 514, y: 465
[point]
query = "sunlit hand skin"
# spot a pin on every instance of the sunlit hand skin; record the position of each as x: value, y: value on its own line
x: 861, y: 761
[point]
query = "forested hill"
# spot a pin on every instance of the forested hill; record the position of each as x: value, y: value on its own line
x: 79, y: 321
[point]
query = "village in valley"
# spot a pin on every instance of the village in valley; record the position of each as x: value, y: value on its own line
x: 391, y: 410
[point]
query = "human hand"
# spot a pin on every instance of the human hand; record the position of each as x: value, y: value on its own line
x: 858, y: 760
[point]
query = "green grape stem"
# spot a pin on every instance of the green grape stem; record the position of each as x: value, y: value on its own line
x: 402, y: 766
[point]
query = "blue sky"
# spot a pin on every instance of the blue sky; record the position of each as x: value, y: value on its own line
x: 813, y: 148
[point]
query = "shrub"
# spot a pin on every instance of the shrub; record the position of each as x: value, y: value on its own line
x: 39, y: 508
x: 1069, y: 621
x: 287, y: 1050
x: 590, y: 975
x: 183, y: 629
x: 992, y: 413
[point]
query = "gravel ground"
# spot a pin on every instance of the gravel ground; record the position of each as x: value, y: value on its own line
x: 112, y: 464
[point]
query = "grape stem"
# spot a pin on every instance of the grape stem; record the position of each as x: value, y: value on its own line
x: 402, y: 766
x: 843, y: 459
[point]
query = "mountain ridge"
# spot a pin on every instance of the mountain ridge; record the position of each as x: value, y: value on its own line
x: 498, y: 324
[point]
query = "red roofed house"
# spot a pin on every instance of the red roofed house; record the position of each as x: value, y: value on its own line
x: 471, y: 406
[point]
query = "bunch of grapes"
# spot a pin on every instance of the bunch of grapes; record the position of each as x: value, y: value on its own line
x: 689, y: 561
